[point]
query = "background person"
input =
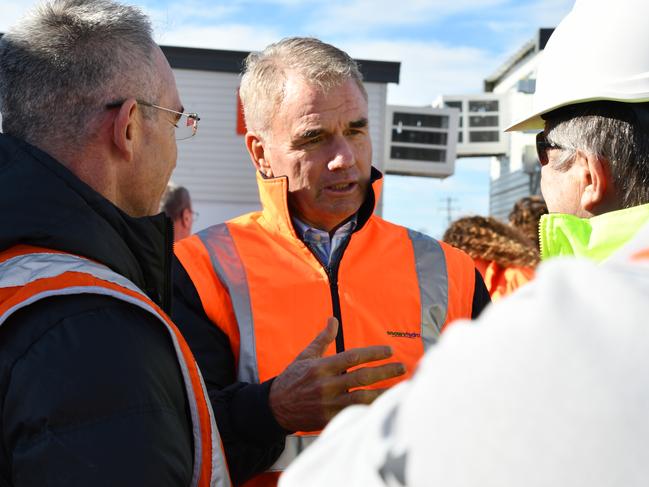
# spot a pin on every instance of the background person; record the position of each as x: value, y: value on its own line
x: 526, y: 215
x: 505, y: 257
x: 96, y: 385
x: 265, y: 283
x: 177, y: 205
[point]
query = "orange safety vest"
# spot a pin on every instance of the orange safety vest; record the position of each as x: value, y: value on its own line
x: 29, y: 274
x: 502, y: 281
x: 260, y: 284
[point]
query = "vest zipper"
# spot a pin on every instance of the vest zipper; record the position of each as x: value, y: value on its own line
x: 332, y: 275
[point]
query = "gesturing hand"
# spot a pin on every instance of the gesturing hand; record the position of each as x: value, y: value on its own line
x: 313, y: 388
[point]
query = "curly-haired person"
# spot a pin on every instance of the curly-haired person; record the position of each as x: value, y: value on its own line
x: 505, y: 256
x: 526, y: 214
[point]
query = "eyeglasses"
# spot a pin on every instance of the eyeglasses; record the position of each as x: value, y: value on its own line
x: 543, y: 145
x: 185, y: 129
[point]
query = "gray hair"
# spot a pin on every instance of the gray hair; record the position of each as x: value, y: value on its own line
x: 175, y: 200
x: 65, y: 61
x: 264, y: 76
x: 614, y: 131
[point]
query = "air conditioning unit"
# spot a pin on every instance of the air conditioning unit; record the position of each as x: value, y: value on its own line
x: 421, y: 141
x: 483, y: 119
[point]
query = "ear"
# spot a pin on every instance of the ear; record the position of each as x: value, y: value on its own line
x: 256, y: 148
x: 596, y: 183
x: 186, y: 217
x: 125, y: 128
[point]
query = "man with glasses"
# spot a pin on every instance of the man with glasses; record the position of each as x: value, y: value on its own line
x: 550, y: 386
x: 594, y: 144
x: 97, y: 385
x: 594, y: 158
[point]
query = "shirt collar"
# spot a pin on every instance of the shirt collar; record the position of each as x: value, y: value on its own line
x: 309, y: 233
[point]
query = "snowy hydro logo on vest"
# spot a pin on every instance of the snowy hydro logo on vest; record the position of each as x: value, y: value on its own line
x: 404, y: 334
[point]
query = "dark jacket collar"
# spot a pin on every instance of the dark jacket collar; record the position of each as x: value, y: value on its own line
x: 44, y: 204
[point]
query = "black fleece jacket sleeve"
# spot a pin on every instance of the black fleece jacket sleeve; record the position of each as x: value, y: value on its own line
x: 92, y: 394
x: 251, y: 437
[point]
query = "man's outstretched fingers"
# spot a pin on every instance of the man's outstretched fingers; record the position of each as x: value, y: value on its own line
x: 360, y: 396
x: 320, y: 343
x: 339, y: 363
x: 367, y: 376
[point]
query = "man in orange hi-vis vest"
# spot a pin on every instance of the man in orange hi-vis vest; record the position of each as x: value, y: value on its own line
x: 253, y: 294
x: 551, y: 387
x: 98, y: 386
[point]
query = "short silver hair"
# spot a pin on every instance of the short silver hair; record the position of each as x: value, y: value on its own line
x: 65, y: 61
x: 264, y: 76
x: 615, y: 131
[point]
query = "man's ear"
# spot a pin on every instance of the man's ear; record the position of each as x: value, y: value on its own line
x: 596, y: 183
x: 256, y: 148
x: 125, y: 128
x: 186, y: 217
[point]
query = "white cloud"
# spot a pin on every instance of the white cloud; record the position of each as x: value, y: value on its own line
x: 544, y: 13
x: 281, y: 3
x: 428, y: 69
x: 175, y: 15
x: 237, y: 37
x: 367, y: 15
x: 521, y: 22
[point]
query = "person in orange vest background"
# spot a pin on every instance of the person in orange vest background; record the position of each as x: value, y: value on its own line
x: 177, y: 205
x: 505, y: 257
x: 97, y: 385
x: 253, y: 294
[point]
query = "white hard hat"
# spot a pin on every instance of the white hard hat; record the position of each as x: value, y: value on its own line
x: 600, y: 51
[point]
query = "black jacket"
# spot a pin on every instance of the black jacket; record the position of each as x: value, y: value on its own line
x: 90, y: 389
x: 251, y: 437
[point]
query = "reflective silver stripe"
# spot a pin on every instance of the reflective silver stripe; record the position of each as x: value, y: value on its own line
x: 220, y: 476
x: 229, y: 269
x: 294, y: 445
x: 22, y: 270
x: 432, y: 276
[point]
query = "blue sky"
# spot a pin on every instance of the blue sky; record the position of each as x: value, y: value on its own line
x: 444, y: 46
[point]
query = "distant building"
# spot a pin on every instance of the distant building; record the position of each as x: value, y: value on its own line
x: 516, y: 173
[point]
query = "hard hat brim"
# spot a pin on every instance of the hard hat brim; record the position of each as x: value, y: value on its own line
x: 536, y: 121
x: 527, y: 124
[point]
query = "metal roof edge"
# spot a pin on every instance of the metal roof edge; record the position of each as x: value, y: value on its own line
x: 232, y: 62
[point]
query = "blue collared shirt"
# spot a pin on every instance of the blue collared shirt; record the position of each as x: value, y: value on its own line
x: 324, y: 245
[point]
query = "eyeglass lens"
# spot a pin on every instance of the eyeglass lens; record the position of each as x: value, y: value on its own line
x: 186, y: 127
x: 542, y: 146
